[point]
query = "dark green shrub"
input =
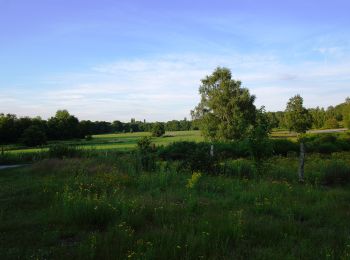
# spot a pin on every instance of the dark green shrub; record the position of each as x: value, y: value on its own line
x: 241, y: 168
x: 232, y: 150
x: 146, y: 154
x: 62, y: 151
x: 336, y: 172
x: 327, y: 143
x: 194, y: 156
x: 260, y: 148
x: 158, y: 129
x: 284, y: 146
x: 144, y: 144
x: 331, y: 123
x: 326, y: 138
x: 33, y: 136
x: 327, y: 148
x: 344, y: 144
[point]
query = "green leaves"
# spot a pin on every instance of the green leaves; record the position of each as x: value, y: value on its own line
x: 297, y: 117
x: 226, y: 109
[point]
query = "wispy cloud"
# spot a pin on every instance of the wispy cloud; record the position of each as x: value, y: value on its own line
x: 166, y: 87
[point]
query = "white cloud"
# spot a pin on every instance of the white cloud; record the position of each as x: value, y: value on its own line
x: 166, y: 87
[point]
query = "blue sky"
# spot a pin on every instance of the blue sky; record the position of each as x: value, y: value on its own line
x: 116, y: 60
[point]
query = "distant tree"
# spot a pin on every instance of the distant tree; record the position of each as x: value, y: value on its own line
x: 274, y: 122
x: 117, y: 126
x: 158, y: 129
x: 259, y: 143
x: 8, y: 131
x: 318, y: 117
x: 33, y: 136
x: 226, y: 109
x: 331, y: 123
x: 297, y: 117
x: 346, y: 112
x: 64, y: 126
x: 298, y: 120
x: 347, y: 116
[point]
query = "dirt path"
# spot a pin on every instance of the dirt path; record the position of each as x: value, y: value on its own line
x: 3, y: 167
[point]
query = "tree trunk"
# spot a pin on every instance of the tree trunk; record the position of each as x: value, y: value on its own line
x: 301, y: 161
x: 2, y: 151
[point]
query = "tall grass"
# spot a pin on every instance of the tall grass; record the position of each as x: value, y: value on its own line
x: 109, y: 207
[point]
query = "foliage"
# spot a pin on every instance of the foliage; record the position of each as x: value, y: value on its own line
x: 226, y: 109
x: 7, y: 129
x: 146, y: 153
x: 327, y: 143
x: 33, y: 136
x: 158, y: 129
x: 331, y: 123
x: 318, y: 117
x: 64, y: 126
x: 63, y: 151
x: 194, y: 156
x: 144, y: 144
x: 336, y: 172
x: 259, y: 142
x: 297, y: 117
x: 283, y: 146
x: 240, y: 168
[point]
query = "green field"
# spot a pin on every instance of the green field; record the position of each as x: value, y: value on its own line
x: 128, y: 141
x: 123, y: 141
x: 107, y: 208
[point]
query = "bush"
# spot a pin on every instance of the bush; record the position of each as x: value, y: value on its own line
x: 327, y: 148
x: 146, y: 154
x: 331, y: 123
x: 144, y: 144
x: 327, y: 143
x: 241, y: 168
x: 194, y: 156
x: 336, y: 172
x: 62, y: 151
x: 284, y: 146
x: 158, y: 129
x: 33, y: 136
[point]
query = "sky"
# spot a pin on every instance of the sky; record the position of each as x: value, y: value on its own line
x: 122, y: 59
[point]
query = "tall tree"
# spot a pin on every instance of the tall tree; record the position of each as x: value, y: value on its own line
x: 63, y: 126
x: 226, y: 109
x: 298, y: 120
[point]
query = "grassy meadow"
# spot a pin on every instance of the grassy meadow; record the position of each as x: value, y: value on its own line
x: 109, y: 208
x: 110, y: 200
x: 119, y: 141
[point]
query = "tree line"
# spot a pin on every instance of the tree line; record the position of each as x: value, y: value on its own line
x: 332, y: 117
x: 64, y: 126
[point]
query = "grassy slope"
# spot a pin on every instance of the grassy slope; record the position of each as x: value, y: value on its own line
x: 107, y: 209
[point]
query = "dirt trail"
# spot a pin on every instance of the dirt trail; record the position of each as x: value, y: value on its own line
x: 3, y: 167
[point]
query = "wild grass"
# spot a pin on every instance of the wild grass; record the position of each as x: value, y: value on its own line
x: 108, y: 208
x: 120, y: 141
